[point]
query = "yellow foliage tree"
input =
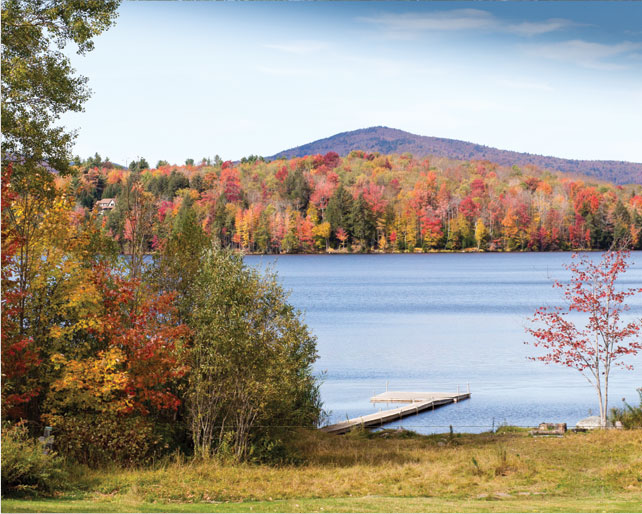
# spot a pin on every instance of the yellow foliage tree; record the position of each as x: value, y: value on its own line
x: 321, y: 234
x: 481, y: 234
x: 511, y: 230
x: 91, y: 384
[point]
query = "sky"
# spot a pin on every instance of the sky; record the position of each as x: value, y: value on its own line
x: 177, y: 80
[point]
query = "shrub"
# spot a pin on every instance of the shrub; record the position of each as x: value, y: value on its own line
x: 251, y: 362
x: 24, y: 465
x: 629, y: 416
x: 97, y: 440
x: 272, y: 449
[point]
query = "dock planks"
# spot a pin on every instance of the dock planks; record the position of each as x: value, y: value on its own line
x: 418, y: 402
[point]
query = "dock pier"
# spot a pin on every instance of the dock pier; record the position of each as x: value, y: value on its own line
x: 418, y: 402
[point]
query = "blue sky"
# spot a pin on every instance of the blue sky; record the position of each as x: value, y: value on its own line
x: 174, y: 80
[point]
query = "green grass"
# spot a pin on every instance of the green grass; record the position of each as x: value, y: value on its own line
x: 628, y: 503
x: 391, y: 472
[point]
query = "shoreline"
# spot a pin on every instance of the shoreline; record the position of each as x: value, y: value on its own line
x: 467, y: 251
x: 429, y: 252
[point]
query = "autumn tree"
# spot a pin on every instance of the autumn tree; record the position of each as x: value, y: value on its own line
x: 481, y: 234
x: 461, y: 235
x: 20, y: 358
x: 132, y: 222
x: 342, y: 236
x: 114, y: 373
x: 48, y: 300
x: 601, y: 339
x: 322, y: 235
x: 82, y: 344
x: 38, y: 87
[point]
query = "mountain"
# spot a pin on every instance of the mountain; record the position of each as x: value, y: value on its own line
x: 388, y: 140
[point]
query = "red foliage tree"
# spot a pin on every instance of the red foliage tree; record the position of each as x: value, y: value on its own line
x: 282, y: 174
x: 332, y: 160
x: 18, y: 355
x: 342, y: 235
x: 322, y: 192
x: 147, y: 333
x: 231, y: 182
x: 605, y: 339
x: 469, y: 208
x: 304, y: 231
x: 373, y: 194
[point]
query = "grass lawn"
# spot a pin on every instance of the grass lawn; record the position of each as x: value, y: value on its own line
x: 362, y: 504
x: 385, y: 472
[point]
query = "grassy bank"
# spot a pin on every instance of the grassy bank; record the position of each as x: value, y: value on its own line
x: 599, y: 471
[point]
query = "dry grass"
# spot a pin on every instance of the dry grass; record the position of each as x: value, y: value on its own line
x: 461, y: 470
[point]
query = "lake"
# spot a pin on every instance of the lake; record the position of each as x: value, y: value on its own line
x: 433, y: 322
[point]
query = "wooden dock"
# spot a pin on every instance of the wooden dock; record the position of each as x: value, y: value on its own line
x: 418, y: 402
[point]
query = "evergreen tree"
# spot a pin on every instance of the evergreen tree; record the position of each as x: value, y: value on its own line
x: 622, y: 222
x: 298, y: 190
x: 139, y: 165
x: 363, y: 223
x: 176, y: 182
x: 198, y: 183
x: 339, y: 210
x: 177, y: 262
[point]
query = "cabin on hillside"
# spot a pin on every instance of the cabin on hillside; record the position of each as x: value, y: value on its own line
x: 106, y: 204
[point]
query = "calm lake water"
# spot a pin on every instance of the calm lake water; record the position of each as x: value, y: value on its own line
x: 432, y: 322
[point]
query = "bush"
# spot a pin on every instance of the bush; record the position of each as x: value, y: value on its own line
x: 629, y: 416
x: 101, y: 439
x: 251, y: 362
x: 270, y: 448
x: 24, y: 465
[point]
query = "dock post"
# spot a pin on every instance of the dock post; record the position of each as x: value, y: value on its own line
x: 386, y: 386
x: 457, y: 389
x: 468, y: 387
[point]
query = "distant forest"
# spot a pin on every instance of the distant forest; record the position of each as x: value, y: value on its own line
x: 364, y: 202
x: 388, y: 140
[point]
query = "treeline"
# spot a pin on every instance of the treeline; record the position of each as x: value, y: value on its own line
x: 364, y: 202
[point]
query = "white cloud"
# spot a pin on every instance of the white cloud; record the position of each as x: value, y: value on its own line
x: 457, y: 19
x: 299, y: 47
x: 586, y: 53
x: 461, y: 19
x: 529, y: 28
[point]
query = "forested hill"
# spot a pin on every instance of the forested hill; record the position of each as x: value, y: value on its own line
x: 388, y: 140
x: 361, y: 202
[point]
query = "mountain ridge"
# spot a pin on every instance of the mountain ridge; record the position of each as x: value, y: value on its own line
x: 388, y: 140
